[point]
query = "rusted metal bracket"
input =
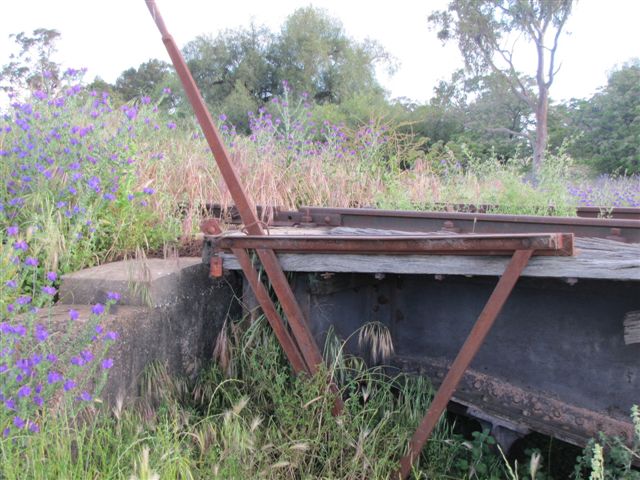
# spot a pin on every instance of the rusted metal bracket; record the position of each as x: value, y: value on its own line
x: 474, y: 341
x: 306, y: 346
x: 556, y: 244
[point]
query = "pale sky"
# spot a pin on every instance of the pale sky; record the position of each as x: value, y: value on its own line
x: 110, y: 36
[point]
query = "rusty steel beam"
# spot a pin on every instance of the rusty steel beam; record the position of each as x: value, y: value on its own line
x: 269, y: 309
x: 624, y: 227
x: 305, y: 341
x: 559, y: 244
x: 462, y: 361
x: 211, y: 227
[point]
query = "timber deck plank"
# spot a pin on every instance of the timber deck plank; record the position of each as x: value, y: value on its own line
x: 595, y: 258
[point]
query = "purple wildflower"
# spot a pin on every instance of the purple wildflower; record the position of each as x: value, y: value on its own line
x: 166, y: 90
x: 73, y: 314
x: 69, y: 385
x: 49, y: 290
x: 97, y: 309
x: 115, y: 296
x: 111, y: 335
x: 107, y: 363
x: 12, y: 231
x: 85, y: 396
x: 24, y: 391
x: 171, y: 125
x: 148, y: 190
x: 41, y: 333
x: 24, y: 300
x: 52, y: 276
x: 21, y: 245
x: 31, y: 262
x: 38, y: 400
x: 11, y: 283
x: 78, y: 361
x: 53, y: 377
x: 19, y: 422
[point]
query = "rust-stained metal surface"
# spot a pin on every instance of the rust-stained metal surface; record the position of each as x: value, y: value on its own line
x: 619, y: 213
x: 558, y: 244
x: 624, y: 229
x: 529, y: 409
x: 464, y: 357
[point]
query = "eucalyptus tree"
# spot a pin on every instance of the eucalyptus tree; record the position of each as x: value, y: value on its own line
x: 487, y: 33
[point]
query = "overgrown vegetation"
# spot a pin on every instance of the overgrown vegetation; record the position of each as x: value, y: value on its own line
x: 88, y: 177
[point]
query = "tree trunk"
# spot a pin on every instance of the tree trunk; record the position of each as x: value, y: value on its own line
x: 540, y: 144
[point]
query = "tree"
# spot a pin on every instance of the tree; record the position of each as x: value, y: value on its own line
x: 145, y: 80
x: 314, y: 55
x: 245, y: 68
x: 32, y: 66
x: 233, y: 70
x: 487, y: 32
x: 607, y: 125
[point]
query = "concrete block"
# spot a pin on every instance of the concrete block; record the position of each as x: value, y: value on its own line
x: 149, y: 282
x: 177, y: 327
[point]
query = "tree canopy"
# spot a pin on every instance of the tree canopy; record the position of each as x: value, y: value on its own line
x: 607, y: 125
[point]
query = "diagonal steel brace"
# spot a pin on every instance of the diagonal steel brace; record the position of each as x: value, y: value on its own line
x: 467, y: 352
x: 307, y: 348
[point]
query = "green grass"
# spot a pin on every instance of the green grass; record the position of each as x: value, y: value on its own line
x: 260, y: 422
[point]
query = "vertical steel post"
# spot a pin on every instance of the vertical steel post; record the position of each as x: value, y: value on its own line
x: 474, y: 341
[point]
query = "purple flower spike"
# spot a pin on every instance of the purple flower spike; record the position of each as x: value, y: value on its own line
x: 73, y: 314
x: 52, y: 276
x: 69, y: 385
x: 24, y: 391
x: 77, y: 361
x: 41, y: 333
x: 85, y: 396
x: 21, y: 245
x: 11, y: 284
x: 97, y: 309
x: 34, y: 428
x: 111, y: 335
x: 107, y: 363
x: 23, y: 300
x: 54, y: 377
x: 19, y: 422
x: 31, y: 262
x: 13, y: 231
x: 114, y: 296
x: 49, y: 290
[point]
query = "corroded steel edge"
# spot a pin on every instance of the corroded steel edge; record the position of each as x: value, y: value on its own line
x: 532, y: 409
x: 557, y: 244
